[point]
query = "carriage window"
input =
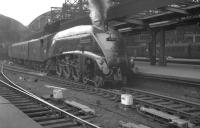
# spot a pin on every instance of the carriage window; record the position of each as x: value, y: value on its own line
x: 197, y: 38
x: 188, y: 38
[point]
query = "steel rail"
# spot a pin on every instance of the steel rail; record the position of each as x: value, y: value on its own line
x: 18, y: 88
x: 192, y: 83
x: 116, y: 97
x: 166, y: 103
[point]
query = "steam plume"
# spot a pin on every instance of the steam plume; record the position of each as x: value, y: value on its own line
x: 98, y: 11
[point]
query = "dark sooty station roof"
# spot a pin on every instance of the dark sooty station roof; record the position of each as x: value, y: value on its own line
x: 133, y: 15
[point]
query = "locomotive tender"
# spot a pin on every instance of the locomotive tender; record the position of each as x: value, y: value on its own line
x: 82, y: 53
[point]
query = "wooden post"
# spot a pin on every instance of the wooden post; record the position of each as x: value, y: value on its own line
x: 162, y: 58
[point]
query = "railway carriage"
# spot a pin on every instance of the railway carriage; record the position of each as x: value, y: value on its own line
x: 38, y: 51
x: 82, y: 53
x: 19, y: 52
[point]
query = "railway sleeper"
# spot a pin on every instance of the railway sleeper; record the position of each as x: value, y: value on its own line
x: 114, y: 98
x: 176, y: 106
x: 42, y: 113
x: 31, y: 110
x: 188, y: 110
x: 47, y: 117
x: 142, y: 97
x: 197, y: 114
x: 4, y: 89
x: 16, y: 99
x: 168, y: 103
x: 79, y: 113
x: 71, y: 110
x: 24, y: 104
x: 151, y: 98
x: 91, y: 91
x: 9, y: 94
x: 61, y: 106
x: 12, y: 96
x: 66, y: 108
x: 134, y: 93
x: 106, y: 95
x: 62, y: 125
x: 20, y: 101
x: 162, y: 102
x: 87, y: 117
x: 55, y: 121
x: 29, y: 106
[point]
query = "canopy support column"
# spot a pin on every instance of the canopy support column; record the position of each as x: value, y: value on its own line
x: 162, y: 58
x: 152, y: 48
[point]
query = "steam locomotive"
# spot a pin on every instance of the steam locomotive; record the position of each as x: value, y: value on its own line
x: 83, y: 53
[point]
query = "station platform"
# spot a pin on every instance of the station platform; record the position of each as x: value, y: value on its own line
x: 175, y: 71
x: 12, y: 117
x: 172, y: 60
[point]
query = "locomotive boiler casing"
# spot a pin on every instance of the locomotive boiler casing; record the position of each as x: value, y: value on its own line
x: 87, y: 38
x: 75, y: 38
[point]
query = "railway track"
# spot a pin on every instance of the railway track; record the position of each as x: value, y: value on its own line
x: 185, y: 110
x: 41, y: 111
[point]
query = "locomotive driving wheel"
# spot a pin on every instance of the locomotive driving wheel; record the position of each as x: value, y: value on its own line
x: 58, y: 69
x: 66, y: 71
x: 76, y: 74
x: 66, y: 68
x: 85, y: 80
x: 98, y: 81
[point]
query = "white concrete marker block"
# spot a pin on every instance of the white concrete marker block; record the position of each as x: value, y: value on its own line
x: 20, y: 78
x: 126, y: 99
x: 57, y: 94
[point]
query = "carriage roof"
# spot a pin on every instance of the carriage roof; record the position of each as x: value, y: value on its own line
x: 20, y: 43
x: 32, y: 40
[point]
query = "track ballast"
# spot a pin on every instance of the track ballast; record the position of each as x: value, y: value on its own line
x: 41, y: 111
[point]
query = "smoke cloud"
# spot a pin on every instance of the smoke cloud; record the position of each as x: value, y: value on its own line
x: 98, y: 11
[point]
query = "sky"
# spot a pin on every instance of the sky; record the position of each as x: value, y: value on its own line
x: 26, y: 11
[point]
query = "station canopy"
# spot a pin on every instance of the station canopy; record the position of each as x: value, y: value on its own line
x: 130, y: 15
